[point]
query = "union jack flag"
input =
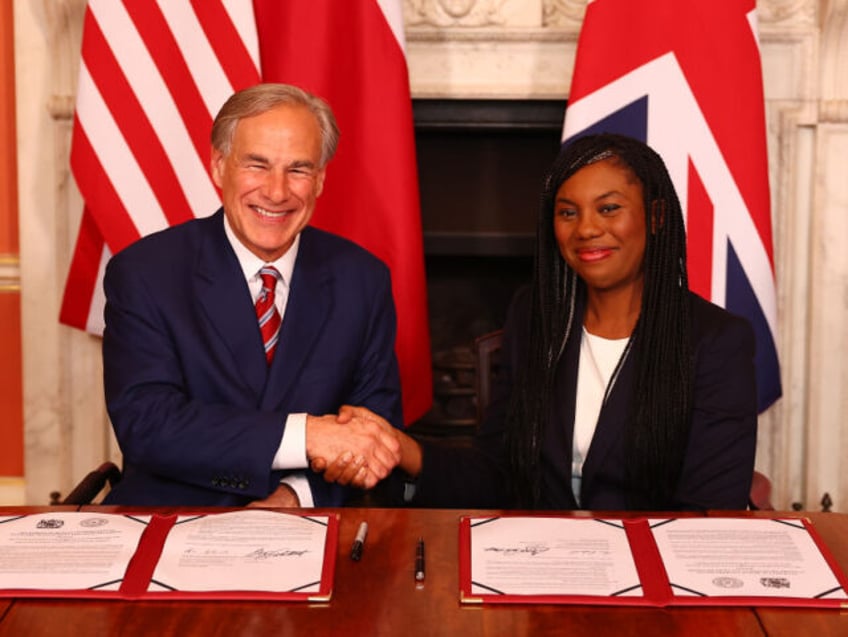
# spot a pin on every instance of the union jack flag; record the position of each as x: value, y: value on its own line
x: 685, y: 78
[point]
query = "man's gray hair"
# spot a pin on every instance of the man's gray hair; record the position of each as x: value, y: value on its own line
x: 261, y: 98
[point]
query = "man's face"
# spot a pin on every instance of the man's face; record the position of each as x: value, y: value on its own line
x: 271, y: 178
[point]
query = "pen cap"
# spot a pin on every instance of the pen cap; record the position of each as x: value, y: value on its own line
x: 361, y: 532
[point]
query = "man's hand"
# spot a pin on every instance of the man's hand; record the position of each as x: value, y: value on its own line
x: 361, y: 446
x: 345, y: 470
x: 283, y: 497
x: 348, y: 469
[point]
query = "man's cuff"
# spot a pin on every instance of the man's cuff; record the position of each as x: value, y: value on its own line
x: 292, y: 451
x: 300, y: 485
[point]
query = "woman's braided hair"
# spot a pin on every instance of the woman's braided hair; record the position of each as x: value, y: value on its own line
x: 657, y: 428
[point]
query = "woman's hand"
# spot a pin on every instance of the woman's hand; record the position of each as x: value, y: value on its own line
x: 350, y: 469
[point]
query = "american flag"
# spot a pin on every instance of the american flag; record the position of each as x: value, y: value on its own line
x: 686, y: 78
x: 154, y: 73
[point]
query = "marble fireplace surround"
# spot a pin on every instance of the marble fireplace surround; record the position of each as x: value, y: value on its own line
x: 490, y: 50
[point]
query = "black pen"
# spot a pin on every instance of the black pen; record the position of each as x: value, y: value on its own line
x: 359, y: 542
x: 419, y: 560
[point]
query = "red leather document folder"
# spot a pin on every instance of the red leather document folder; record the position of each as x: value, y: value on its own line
x: 686, y: 561
x: 248, y: 554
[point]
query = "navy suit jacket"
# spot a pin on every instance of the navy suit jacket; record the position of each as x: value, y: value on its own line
x: 196, y: 410
x: 719, y: 461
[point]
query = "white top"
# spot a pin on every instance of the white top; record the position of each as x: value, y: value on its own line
x: 598, y: 359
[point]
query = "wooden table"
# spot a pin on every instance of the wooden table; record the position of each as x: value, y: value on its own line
x: 378, y: 596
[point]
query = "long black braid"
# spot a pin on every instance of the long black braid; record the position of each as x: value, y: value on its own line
x: 660, y: 410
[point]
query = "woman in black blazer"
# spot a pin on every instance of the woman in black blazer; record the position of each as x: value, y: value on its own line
x: 620, y: 388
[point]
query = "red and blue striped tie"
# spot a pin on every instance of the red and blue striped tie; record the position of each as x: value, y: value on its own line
x: 266, y: 311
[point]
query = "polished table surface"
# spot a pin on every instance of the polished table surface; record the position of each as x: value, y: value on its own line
x: 379, y: 596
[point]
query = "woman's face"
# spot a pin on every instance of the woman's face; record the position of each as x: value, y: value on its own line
x: 599, y: 224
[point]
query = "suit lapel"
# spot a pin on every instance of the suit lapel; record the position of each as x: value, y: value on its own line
x: 310, y: 299
x: 225, y: 297
x: 560, y: 451
x: 611, y: 425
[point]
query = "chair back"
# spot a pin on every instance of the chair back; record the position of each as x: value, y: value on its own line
x: 93, y: 483
x: 486, y: 363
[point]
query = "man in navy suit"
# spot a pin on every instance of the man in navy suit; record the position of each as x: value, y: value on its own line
x: 202, y: 415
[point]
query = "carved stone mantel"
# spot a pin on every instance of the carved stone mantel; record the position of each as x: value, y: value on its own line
x: 509, y: 49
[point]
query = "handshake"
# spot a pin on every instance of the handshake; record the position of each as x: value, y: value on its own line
x: 358, y: 447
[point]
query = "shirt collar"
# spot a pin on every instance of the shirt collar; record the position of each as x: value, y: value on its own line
x: 251, y: 264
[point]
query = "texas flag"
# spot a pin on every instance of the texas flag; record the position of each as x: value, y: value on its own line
x: 154, y: 74
x: 685, y: 78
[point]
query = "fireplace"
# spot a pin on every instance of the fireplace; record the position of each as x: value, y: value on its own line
x: 480, y: 166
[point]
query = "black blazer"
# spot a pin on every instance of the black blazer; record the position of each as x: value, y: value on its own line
x: 719, y: 462
x: 196, y: 410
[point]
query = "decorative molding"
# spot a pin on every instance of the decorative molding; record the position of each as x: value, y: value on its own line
x: 567, y: 14
x: 10, y: 273
x: 827, y: 294
x: 787, y: 12
x: 790, y: 68
x: 506, y: 36
x: 834, y: 53
x: 833, y: 112
x: 454, y: 13
x: 61, y: 107
x: 784, y: 427
x: 64, y: 21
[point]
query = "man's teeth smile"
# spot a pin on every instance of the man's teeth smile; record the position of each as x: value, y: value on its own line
x: 269, y: 213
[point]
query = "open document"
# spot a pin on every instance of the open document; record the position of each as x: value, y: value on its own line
x: 651, y: 562
x: 721, y: 557
x: 249, y: 550
x: 246, y: 554
x: 533, y: 556
x: 65, y: 551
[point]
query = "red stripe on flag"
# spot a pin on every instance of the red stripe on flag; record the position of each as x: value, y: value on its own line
x: 129, y: 116
x: 99, y: 194
x: 166, y: 54
x: 79, y: 289
x: 699, y: 236
x: 347, y: 54
x: 226, y: 42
